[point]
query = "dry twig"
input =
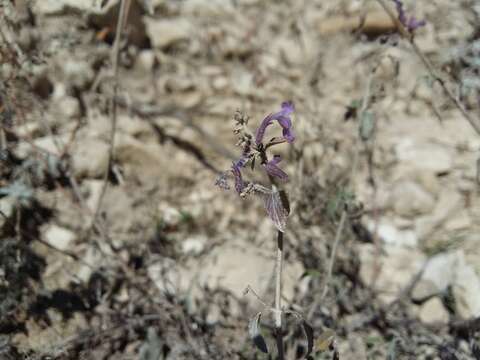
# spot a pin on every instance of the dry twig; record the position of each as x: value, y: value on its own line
x: 122, y: 16
x: 430, y: 68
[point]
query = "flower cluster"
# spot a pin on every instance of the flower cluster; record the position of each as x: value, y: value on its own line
x: 410, y: 22
x: 254, y: 150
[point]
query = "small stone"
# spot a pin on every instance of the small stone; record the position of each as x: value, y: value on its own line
x: 90, y: 158
x: 56, y: 7
x: 433, y: 312
x: 425, y: 156
x: 291, y: 51
x: 438, y: 274
x: 390, y: 270
x: 466, y: 291
x: 410, y: 199
x: 209, y: 8
x: 78, y: 72
x: 94, y: 188
x: 194, y: 245
x: 59, y: 237
x: 242, y: 82
x: 7, y: 205
x: 164, y: 33
x: 392, y: 235
x: 68, y: 107
x: 353, y: 348
x: 169, y: 215
x: 145, y: 61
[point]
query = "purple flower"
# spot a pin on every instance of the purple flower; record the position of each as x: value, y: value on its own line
x: 273, y: 170
x: 413, y: 24
x: 284, y: 120
x: 410, y: 22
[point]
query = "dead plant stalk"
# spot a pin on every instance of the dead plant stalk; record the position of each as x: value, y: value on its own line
x: 122, y: 16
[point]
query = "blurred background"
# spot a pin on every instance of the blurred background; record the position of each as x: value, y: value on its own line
x: 126, y: 249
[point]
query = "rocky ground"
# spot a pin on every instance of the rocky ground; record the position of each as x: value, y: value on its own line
x: 145, y: 258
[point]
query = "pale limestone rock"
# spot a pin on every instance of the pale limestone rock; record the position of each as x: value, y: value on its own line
x: 439, y: 273
x: 55, y: 7
x: 78, y: 72
x: 409, y: 199
x: 232, y: 267
x: 433, y: 312
x: 209, y: 8
x: 170, y: 216
x: 167, y: 32
x: 59, y: 237
x: 425, y: 156
x: 392, y: 235
x: 68, y: 107
x: 194, y: 245
x: 90, y: 158
x: 145, y: 61
x: 390, y: 270
x: 353, y: 349
x: 242, y: 82
x: 94, y: 188
x: 7, y: 206
x: 466, y: 291
x: 448, y: 205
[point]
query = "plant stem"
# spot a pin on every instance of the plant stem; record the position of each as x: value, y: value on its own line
x: 429, y: 66
x: 122, y: 16
x: 278, y: 295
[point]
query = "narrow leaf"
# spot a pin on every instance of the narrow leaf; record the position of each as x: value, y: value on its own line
x: 367, y: 125
x: 309, y: 335
x: 392, y: 351
x: 255, y: 335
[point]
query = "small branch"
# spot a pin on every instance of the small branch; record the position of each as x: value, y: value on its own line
x: 428, y: 65
x: 123, y: 13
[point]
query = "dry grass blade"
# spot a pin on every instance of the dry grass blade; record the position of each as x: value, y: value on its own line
x: 433, y: 73
x: 122, y: 16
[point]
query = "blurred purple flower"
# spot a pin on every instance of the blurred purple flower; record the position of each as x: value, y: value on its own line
x: 284, y: 120
x: 273, y: 170
x: 410, y: 22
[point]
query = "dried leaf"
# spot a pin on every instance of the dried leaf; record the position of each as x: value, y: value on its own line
x: 275, y: 209
x: 309, y: 335
x: 325, y: 340
x: 255, y: 335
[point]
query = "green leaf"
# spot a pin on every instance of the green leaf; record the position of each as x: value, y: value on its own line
x: 367, y: 125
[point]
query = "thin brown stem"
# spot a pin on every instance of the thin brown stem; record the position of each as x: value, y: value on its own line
x: 430, y: 68
x: 123, y: 13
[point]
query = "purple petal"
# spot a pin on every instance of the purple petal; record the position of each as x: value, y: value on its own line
x: 261, y: 129
x: 288, y: 135
x: 413, y: 24
x: 283, y: 119
x: 287, y: 108
x: 273, y: 170
x: 241, y: 162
